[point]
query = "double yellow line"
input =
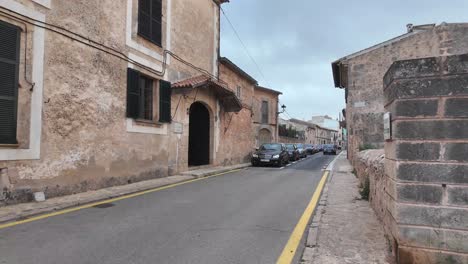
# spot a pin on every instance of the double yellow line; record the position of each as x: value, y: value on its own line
x: 290, y: 249
x: 73, y: 209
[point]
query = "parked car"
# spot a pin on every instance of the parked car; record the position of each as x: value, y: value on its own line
x: 309, y: 149
x: 329, y: 149
x: 292, y: 151
x: 270, y: 154
x: 320, y: 147
x: 316, y: 148
x: 302, y: 150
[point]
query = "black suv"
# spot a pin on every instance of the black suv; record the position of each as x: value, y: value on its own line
x: 292, y: 151
x: 270, y: 154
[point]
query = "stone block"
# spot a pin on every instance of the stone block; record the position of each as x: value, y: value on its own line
x: 413, y: 108
x: 312, y: 237
x: 440, y: 217
x: 412, y: 68
x: 458, y: 195
x: 456, y: 107
x: 411, y: 255
x: 417, y: 151
x: 457, y: 64
x: 456, y: 151
x: 431, y: 129
x: 429, y: 87
x: 391, y: 168
x: 432, y: 172
x: 429, y: 194
x: 308, y: 255
x: 451, y: 240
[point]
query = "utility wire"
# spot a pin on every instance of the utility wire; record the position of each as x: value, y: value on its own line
x: 100, y: 46
x: 243, y: 45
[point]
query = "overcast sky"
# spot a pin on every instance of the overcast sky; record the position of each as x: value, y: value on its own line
x: 295, y: 41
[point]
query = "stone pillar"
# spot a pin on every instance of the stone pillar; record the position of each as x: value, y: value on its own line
x: 427, y: 159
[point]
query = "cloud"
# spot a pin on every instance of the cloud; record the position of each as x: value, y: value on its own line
x: 294, y: 42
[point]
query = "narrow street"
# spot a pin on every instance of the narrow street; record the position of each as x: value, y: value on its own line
x: 241, y: 217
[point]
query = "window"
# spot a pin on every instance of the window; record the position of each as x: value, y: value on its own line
x: 264, y: 110
x: 140, y: 97
x: 238, y: 93
x: 149, y: 20
x: 9, y: 68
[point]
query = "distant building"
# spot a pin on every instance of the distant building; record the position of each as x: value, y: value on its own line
x: 299, y: 131
x: 325, y: 121
x: 265, y: 114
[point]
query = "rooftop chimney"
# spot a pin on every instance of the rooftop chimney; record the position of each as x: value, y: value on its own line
x: 409, y: 28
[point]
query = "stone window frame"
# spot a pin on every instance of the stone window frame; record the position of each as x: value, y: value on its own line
x: 151, y: 38
x: 148, y: 126
x: 143, y: 46
x: 32, y: 151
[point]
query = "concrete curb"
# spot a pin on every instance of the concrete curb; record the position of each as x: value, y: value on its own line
x: 25, y: 210
x: 212, y: 171
x: 313, y: 232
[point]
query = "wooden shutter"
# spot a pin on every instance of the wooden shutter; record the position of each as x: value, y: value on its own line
x: 144, y: 18
x: 9, y: 68
x: 150, y: 20
x: 133, y: 93
x: 264, y: 112
x: 156, y: 18
x: 164, y: 101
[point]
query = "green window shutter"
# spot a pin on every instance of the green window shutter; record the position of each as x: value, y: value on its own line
x: 133, y: 93
x: 156, y: 18
x: 150, y: 20
x: 144, y: 18
x: 164, y: 101
x: 9, y: 69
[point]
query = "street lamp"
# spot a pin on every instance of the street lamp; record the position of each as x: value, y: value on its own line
x: 282, y: 111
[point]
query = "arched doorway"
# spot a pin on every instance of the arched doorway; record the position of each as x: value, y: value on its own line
x: 199, y: 135
x: 264, y: 136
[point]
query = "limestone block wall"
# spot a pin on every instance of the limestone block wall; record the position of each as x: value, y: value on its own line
x: 426, y: 161
x: 370, y: 165
x: 365, y: 72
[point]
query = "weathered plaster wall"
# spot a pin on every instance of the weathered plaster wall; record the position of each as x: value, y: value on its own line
x: 365, y: 105
x: 236, y: 132
x: 272, y: 99
x: 85, y: 140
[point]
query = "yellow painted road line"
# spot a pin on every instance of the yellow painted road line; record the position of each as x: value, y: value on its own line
x: 73, y: 209
x: 290, y: 249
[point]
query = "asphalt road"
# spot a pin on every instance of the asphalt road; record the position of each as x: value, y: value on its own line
x: 241, y: 217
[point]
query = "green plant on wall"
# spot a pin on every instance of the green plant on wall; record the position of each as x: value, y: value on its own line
x: 365, y: 189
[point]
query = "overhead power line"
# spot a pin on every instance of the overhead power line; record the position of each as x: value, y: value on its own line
x: 245, y: 47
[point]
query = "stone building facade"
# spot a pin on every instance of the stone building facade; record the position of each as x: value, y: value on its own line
x: 237, y: 132
x: 361, y: 75
x: 101, y: 93
x: 418, y: 183
x: 265, y: 115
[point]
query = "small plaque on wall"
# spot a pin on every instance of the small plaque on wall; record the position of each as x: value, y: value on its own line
x: 387, y: 126
x: 177, y: 128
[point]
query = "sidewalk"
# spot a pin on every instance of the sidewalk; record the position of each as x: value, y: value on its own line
x: 345, y: 229
x: 24, y: 210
